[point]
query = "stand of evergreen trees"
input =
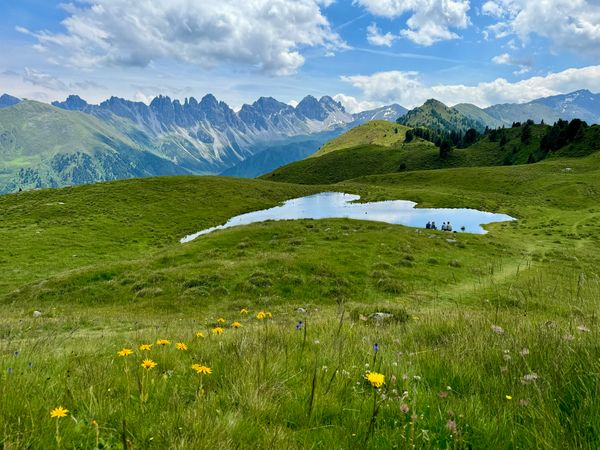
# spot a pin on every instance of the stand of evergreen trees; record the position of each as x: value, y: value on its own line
x: 444, y: 140
x: 555, y: 137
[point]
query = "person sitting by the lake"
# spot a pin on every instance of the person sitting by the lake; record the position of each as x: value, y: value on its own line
x: 448, y: 227
x: 433, y: 227
x: 444, y: 227
x: 462, y: 228
x: 428, y: 226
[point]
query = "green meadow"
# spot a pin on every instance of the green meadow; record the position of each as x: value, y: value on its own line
x: 483, y: 341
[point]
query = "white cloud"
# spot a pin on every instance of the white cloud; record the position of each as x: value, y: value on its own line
x: 407, y: 89
x: 265, y: 34
x: 431, y: 21
x: 568, y: 24
x: 375, y: 37
x: 353, y: 106
x: 492, y: 9
x: 504, y: 58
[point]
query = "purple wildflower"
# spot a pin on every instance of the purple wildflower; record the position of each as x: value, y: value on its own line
x: 376, y: 347
x: 299, y: 325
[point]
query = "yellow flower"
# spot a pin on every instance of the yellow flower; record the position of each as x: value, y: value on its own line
x: 199, y: 334
x: 269, y: 315
x: 236, y: 325
x: 145, y: 347
x: 243, y: 311
x: 376, y: 379
x: 149, y: 364
x: 261, y: 315
x: 125, y: 352
x: 162, y: 342
x: 218, y: 330
x: 220, y: 320
x: 59, y: 412
x: 201, y: 370
x: 180, y: 346
x: 508, y: 397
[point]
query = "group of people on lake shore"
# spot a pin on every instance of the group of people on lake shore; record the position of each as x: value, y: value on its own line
x: 446, y: 226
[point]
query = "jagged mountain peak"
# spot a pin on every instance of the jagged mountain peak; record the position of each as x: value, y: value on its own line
x: 73, y: 102
x: 160, y: 100
x: 209, y: 100
x: 8, y: 100
x: 310, y: 108
x: 330, y: 104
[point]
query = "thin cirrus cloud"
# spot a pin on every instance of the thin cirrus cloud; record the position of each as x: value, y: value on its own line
x: 430, y: 21
x: 408, y: 89
x: 266, y: 35
x: 568, y: 24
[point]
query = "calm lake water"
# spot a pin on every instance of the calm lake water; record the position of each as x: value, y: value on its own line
x: 330, y: 205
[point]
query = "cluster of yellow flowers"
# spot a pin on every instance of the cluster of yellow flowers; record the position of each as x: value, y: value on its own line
x: 263, y: 315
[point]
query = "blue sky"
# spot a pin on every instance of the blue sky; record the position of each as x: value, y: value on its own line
x: 366, y: 53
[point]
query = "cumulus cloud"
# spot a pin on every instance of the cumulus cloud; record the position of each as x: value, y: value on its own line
x: 265, y: 34
x: 375, y: 37
x: 353, y: 105
x: 430, y: 21
x: 407, y: 89
x: 568, y: 24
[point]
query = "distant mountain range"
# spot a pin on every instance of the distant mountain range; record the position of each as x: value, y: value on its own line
x: 193, y: 137
x: 582, y: 105
x: 74, y: 142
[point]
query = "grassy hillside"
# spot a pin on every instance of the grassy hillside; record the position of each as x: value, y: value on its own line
x: 31, y: 127
x: 54, y: 231
x: 377, y: 132
x: 493, y: 342
x: 365, y: 160
x: 506, y: 146
x: 41, y: 145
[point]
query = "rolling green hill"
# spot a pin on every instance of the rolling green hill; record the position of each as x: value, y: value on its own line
x: 41, y: 145
x: 504, y: 146
x: 377, y: 132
